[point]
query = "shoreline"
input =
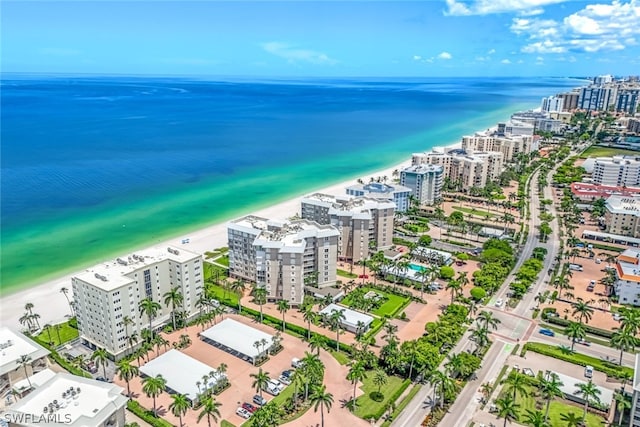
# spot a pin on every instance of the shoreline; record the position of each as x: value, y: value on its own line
x: 51, y: 305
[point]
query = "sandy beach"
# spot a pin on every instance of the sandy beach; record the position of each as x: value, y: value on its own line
x: 52, y: 306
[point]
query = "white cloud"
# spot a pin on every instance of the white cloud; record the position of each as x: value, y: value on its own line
x: 417, y: 57
x: 485, y: 7
x: 482, y: 58
x: 293, y: 54
x: 491, y: 52
x: 594, y: 28
x: 505, y: 61
x: 444, y: 55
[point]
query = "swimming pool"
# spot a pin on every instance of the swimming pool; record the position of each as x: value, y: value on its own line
x: 416, y: 267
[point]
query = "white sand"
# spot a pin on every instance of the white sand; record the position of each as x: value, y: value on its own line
x: 52, y: 306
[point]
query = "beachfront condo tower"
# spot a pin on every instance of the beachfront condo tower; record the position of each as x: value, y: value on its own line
x: 108, y: 293
x: 283, y: 257
x: 365, y: 224
x: 395, y: 193
x: 425, y: 182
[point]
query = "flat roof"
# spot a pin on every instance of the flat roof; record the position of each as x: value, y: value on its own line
x: 352, y: 317
x: 92, y: 406
x: 13, y: 344
x: 610, y: 236
x: 570, y: 387
x: 182, y: 372
x: 37, y: 380
x: 237, y: 336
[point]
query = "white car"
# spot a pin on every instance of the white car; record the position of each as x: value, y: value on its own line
x: 243, y: 413
x: 499, y: 302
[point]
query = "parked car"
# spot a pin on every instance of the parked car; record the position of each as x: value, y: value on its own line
x: 583, y: 342
x: 617, y: 317
x: 259, y: 400
x: 243, y: 413
x: 249, y: 407
x: 588, y: 371
x: 296, y: 363
x: 499, y: 302
x: 547, y: 332
x: 590, y: 288
x: 285, y: 377
x: 276, y: 384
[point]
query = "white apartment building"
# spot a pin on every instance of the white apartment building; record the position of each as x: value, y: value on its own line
x: 509, y: 146
x: 552, y: 103
x: 466, y: 170
x: 108, y: 292
x: 627, y: 286
x: 425, y: 182
x: 283, y: 257
x: 618, y: 171
x: 635, y: 399
x: 621, y: 215
x: 398, y: 194
x: 70, y: 401
x: 598, y: 98
x: 364, y: 224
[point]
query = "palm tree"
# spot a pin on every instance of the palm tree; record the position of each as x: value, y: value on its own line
x: 316, y: 342
x: 210, y: 409
x: 623, y: 340
x: 550, y: 389
x: 153, y: 387
x: 455, y: 286
x: 309, y: 316
x: 480, y: 336
x: 541, y: 298
x: 174, y: 298
x: 283, y: 307
x: 487, y: 320
x: 179, y: 405
x: 507, y: 409
x: 238, y: 287
x: 29, y: 307
x: 47, y: 328
x: 64, y: 290
x: 322, y: 399
x: 571, y: 419
x: 261, y: 379
x: 149, y: 308
x: 582, y: 309
x: 622, y: 404
x: 380, y: 378
x: 441, y: 383
x: 260, y: 298
x: 517, y: 383
x: 575, y: 331
x: 535, y: 419
x: 100, y: 357
x: 24, y: 361
x: 630, y: 320
x: 590, y: 393
x: 126, y: 371
x: 356, y: 373
x: 336, y: 318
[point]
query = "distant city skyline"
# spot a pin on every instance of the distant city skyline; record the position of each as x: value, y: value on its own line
x: 327, y: 38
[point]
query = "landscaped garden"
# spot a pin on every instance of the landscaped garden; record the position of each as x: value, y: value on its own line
x: 474, y: 211
x: 596, y: 151
x: 366, y: 407
x: 375, y: 301
x: 55, y: 335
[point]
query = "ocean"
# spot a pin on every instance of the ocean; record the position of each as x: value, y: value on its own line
x: 93, y: 167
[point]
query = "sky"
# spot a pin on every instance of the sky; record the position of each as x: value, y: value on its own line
x: 323, y: 38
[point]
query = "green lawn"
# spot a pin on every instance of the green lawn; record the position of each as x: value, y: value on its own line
x: 474, y: 211
x: 556, y: 409
x: 596, y: 151
x: 223, y: 295
x: 342, y: 358
x: 67, y: 333
x: 403, y: 404
x: 365, y: 406
x: 223, y: 260
x: 226, y: 423
x: 390, y: 307
x: 346, y: 274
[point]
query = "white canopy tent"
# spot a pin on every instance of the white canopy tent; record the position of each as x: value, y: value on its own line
x: 238, y: 339
x: 183, y: 373
x: 351, y: 317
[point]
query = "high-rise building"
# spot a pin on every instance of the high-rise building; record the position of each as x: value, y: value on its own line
x: 552, y: 103
x: 569, y: 100
x: 365, y: 225
x: 628, y: 99
x: 622, y: 215
x: 398, y: 194
x: 617, y: 171
x: 509, y: 146
x: 465, y: 170
x: 425, y: 182
x: 603, y: 79
x: 283, y: 257
x: 597, y: 98
x: 107, y: 293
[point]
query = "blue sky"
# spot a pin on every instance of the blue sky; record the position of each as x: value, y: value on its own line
x: 326, y: 38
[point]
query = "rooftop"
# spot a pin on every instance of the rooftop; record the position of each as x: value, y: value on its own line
x: 13, y: 345
x: 352, y: 317
x: 623, y: 205
x: 184, y: 379
x: 380, y: 188
x: 237, y: 336
x: 113, y: 274
x: 75, y: 401
x: 627, y: 267
x: 424, y: 168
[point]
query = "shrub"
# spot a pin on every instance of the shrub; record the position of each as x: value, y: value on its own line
x: 376, y: 396
x: 478, y: 293
x: 589, y: 329
x: 146, y: 415
x: 447, y: 272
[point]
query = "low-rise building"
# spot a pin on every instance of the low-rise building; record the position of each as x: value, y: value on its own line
x: 635, y: 398
x: 70, y: 401
x: 353, y: 321
x: 398, y: 194
x: 283, y: 256
x: 107, y: 293
x: 586, y: 192
x: 425, y: 182
x: 13, y: 346
x: 627, y: 286
x: 621, y: 216
x: 364, y: 224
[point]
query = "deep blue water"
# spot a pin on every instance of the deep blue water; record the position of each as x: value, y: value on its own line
x: 76, y: 151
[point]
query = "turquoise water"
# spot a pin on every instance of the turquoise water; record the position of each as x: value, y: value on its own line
x: 118, y: 164
x: 415, y: 267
